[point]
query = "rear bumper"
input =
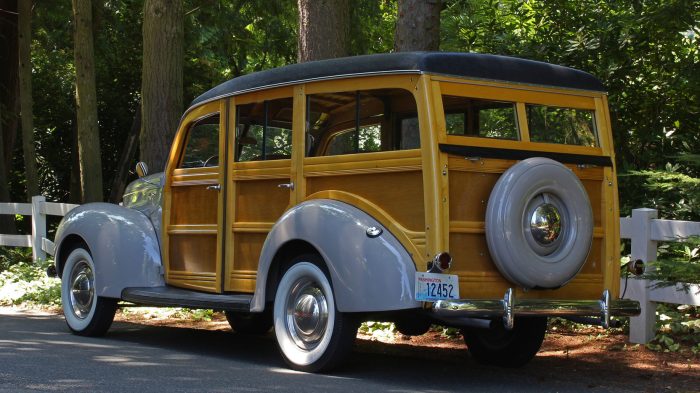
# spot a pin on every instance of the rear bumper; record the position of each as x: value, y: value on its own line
x: 509, y: 307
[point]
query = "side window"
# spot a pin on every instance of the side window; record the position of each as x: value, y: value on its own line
x: 480, y: 118
x: 361, y: 122
x: 264, y: 130
x: 202, y: 146
x: 569, y: 126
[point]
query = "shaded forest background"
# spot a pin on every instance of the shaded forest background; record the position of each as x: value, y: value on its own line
x: 646, y: 53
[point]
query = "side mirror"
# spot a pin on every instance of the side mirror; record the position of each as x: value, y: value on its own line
x: 141, y: 169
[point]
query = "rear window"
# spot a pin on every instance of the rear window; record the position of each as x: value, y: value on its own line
x: 567, y: 126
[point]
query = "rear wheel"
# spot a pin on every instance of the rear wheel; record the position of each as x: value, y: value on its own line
x: 312, y: 334
x: 86, y: 313
x: 249, y: 323
x: 506, y: 348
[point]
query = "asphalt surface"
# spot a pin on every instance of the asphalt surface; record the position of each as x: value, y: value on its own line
x: 38, y: 353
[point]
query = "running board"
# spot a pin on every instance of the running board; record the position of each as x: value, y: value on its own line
x: 176, y: 297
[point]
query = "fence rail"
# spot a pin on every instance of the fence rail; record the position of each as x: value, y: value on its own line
x: 38, y: 209
x: 643, y: 228
x: 646, y: 231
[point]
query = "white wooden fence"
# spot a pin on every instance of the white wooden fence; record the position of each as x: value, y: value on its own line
x: 643, y: 228
x: 38, y: 209
x: 645, y: 231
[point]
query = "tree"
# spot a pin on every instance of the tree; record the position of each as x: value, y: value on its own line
x: 418, y: 25
x: 162, y: 85
x: 8, y: 81
x: 8, y: 100
x: 324, y: 29
x: 86, y: 102
x: 25, y: 94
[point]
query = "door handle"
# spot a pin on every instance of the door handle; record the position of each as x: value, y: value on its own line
x: 289, y: 185
x: 215, y: 187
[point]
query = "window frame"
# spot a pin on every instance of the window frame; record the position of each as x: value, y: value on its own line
x: 357, y: 123
x: 522, y: 94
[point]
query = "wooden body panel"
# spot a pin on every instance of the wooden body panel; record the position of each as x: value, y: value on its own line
x: 257, y: 203
x: 471, y: 182
x: 429, y: 200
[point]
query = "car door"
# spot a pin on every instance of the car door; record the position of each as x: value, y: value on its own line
x: 261, y: 186
x: 193, y: 201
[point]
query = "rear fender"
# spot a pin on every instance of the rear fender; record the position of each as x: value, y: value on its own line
x: 121, y: 241
x: 367, y: 273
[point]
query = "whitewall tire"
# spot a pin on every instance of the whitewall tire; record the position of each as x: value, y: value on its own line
x: 86, y: 313
x: 312, y: 334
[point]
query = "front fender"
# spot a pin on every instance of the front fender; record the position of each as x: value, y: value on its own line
x: 367, y: 274
x: 122, y: 242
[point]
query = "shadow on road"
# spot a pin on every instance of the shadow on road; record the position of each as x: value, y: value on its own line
x: 183, y: 359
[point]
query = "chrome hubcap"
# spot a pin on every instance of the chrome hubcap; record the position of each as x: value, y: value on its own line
x: 545, y: 224
x: 82, y: 289
x: 306, y: 314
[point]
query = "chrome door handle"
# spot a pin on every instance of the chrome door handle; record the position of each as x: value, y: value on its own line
x: 215, y: 187
x: 289, y: 185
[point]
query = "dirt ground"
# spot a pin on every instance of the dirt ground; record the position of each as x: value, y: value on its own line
x: 590, y: 354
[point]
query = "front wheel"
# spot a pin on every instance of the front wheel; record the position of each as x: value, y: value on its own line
x: 312, y: 334
x: 86, y: 313
x: 506, y: 348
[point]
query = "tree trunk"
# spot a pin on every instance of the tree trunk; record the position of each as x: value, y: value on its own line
x: 7, y: 222
x: 86, y: 103
x: 9, y: 99
x: 418, y: 25
x: 75, y: 193
x: 25, y: 94
x: 161, y: 89
x: 125, y: 162
x: 324, y: 29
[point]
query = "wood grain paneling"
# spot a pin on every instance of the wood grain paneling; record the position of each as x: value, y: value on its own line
x: 260, y: 200
x: 193, y: 205
x: 193, y: 253
x: 400, y: 194
x: 471, y: 183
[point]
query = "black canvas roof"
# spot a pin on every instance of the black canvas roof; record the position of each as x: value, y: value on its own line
x: 471, y: 65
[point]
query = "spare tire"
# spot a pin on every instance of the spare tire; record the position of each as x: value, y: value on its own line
x: 539, y: 224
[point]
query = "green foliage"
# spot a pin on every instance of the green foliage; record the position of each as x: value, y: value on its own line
x: 378, y: 329
x: 677, y: 263
x: 24, y: 282
x: 678, y: 329
x: 195, y: 314
x: 10, y: 256
x: 671, y: 190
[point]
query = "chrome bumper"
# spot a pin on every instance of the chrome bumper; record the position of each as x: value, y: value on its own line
x: 509, y: 307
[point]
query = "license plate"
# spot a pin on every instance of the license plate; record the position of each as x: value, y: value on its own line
x: 434, y: 286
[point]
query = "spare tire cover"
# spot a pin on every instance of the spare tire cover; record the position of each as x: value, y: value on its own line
x: 539, y: 224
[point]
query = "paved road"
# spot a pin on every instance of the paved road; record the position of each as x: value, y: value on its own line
x: 37, y: 353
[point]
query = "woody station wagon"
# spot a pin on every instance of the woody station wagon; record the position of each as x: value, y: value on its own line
x: 468, y: 190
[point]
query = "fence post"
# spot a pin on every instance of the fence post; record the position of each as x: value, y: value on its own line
x: 38, y: 228
x: 643, y: 247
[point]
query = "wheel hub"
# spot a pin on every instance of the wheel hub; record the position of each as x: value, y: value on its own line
x: 545, y: 224
x: 82, y: 289
x: 307, y: 314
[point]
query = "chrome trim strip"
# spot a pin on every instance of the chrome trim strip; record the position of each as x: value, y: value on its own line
x: 509, y: 307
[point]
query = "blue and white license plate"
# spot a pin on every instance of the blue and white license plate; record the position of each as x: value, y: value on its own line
x: 431, y: 287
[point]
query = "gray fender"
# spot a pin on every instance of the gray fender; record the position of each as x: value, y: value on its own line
x: 367, y: 274
x: 122, y: 242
